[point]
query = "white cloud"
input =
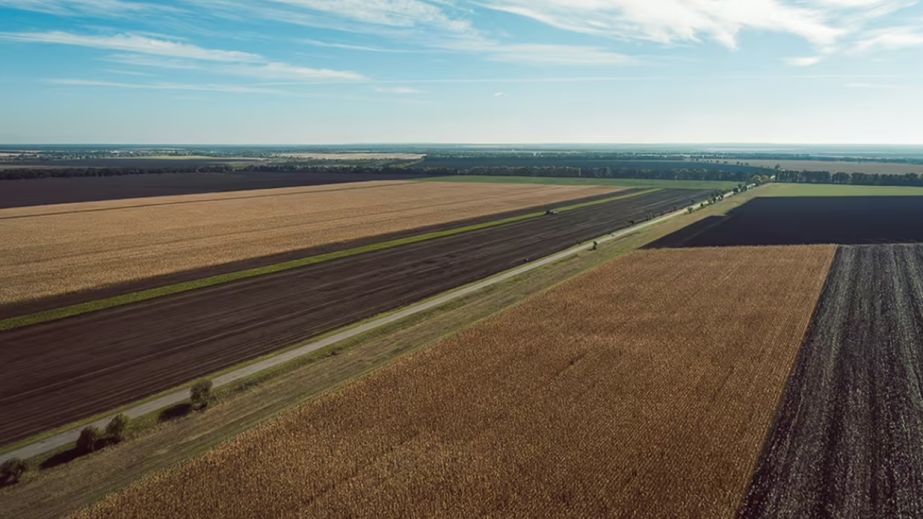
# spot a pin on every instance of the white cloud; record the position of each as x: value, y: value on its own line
x: 398, y: 90
x: 150, y: 52
x: 98, y: 8
x: 208, y: 87
x: 277, y: 70
x: 132, y: 43
x: 544, y: 54
x: 803, y: 61
x: 822, y: 23
x: 671, y: 21
x: 893, y: 38
x: 395, y: 13
x: 360, y: 48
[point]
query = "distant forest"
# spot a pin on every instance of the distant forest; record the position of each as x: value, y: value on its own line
x: 557, y: 166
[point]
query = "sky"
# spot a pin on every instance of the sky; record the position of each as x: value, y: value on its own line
x: 456, y: 71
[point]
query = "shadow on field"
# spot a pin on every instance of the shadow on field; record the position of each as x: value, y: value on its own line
x: 175, y: 411
x: 686, y: 234
x: 71, y: 454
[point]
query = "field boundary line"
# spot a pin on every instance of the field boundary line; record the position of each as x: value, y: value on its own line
x: 232, y: 375
x: 55, y: 314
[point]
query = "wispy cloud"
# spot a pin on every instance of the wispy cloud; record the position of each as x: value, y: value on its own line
x: 147, y: 51
x: 892, y: 38
x: 398, y: 90
x: 132, y: 43
x: 208, y: 87
x: 803, y: 61
x: 277, y: 70
x: 545, y: 54
x: 95, y: 8
x: 360, y: 48
x: 437, y: 26
x: 823, y: 23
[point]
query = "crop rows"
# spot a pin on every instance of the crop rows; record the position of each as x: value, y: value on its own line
x: 52, y: 250
x: 644, y: 388
x: 848, y: 439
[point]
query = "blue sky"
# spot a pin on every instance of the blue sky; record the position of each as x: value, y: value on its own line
x: 486, y: 71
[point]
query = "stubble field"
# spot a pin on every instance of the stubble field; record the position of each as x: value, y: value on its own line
x: 53, y: 250
x: 645, y: 387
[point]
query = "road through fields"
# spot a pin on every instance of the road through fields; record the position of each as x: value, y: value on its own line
x: 61, y: 371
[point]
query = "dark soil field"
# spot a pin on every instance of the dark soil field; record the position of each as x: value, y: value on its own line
x: 808, y: 220
x: 72, y: 298
x: 54, y: 373
x: 44, y: 191
x: 848, y: 436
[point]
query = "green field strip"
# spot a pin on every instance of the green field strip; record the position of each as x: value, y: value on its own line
x: 835, y: 190
x: 717, y: 185
x: 220, y: 279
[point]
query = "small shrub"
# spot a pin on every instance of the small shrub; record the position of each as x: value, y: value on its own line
x: 86, y: 443
x: 201, y: 393
x: 11, y: 470
x: 117, y: 427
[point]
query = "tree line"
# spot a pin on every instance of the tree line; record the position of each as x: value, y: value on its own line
x: 863, y: 179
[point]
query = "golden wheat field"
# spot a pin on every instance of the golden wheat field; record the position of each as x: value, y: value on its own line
x: 50, y: 250
x: 644, y: 388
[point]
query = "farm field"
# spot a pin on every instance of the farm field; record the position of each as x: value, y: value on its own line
x: 637, y: 388
x: 837, y: 166
x: 846, y: 441
x: 93, y: 362
x: 238, y: 408
x: 46, y: 191
x: 53, y: 250
x: 716, y: 185
x: 807, y: 220
x: 792, y: 190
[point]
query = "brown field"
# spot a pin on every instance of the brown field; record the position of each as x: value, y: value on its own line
x: 51, y: 250
x: 643, y: 388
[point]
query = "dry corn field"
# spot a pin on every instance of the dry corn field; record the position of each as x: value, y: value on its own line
x: 643, y: 388
x: 51, y: 250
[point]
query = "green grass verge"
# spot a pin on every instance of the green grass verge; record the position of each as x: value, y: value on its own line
x: 186, y: 286
x: 779, y: 189
x: 579, y: 181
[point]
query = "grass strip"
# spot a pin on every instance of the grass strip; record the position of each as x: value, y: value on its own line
x: 220, y: 279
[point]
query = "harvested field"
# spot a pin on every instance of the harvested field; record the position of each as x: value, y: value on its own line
x: 644, y: 388
x: 53, y: 250
x: 72, y: 368
x: 44, y: 191
x: 808, y: 220
x: 848, y: 437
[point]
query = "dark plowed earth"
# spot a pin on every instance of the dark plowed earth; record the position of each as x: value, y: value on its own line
x: 50, y: 303
x: 808, y: 220
x: 44, y: 191
x: 56, y: 372
x: 848, y: 436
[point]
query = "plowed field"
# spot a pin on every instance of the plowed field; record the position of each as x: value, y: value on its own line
x: 847, y: 220
x: 644, y: 388
x: 53, y: 250
x: 848, y: 439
